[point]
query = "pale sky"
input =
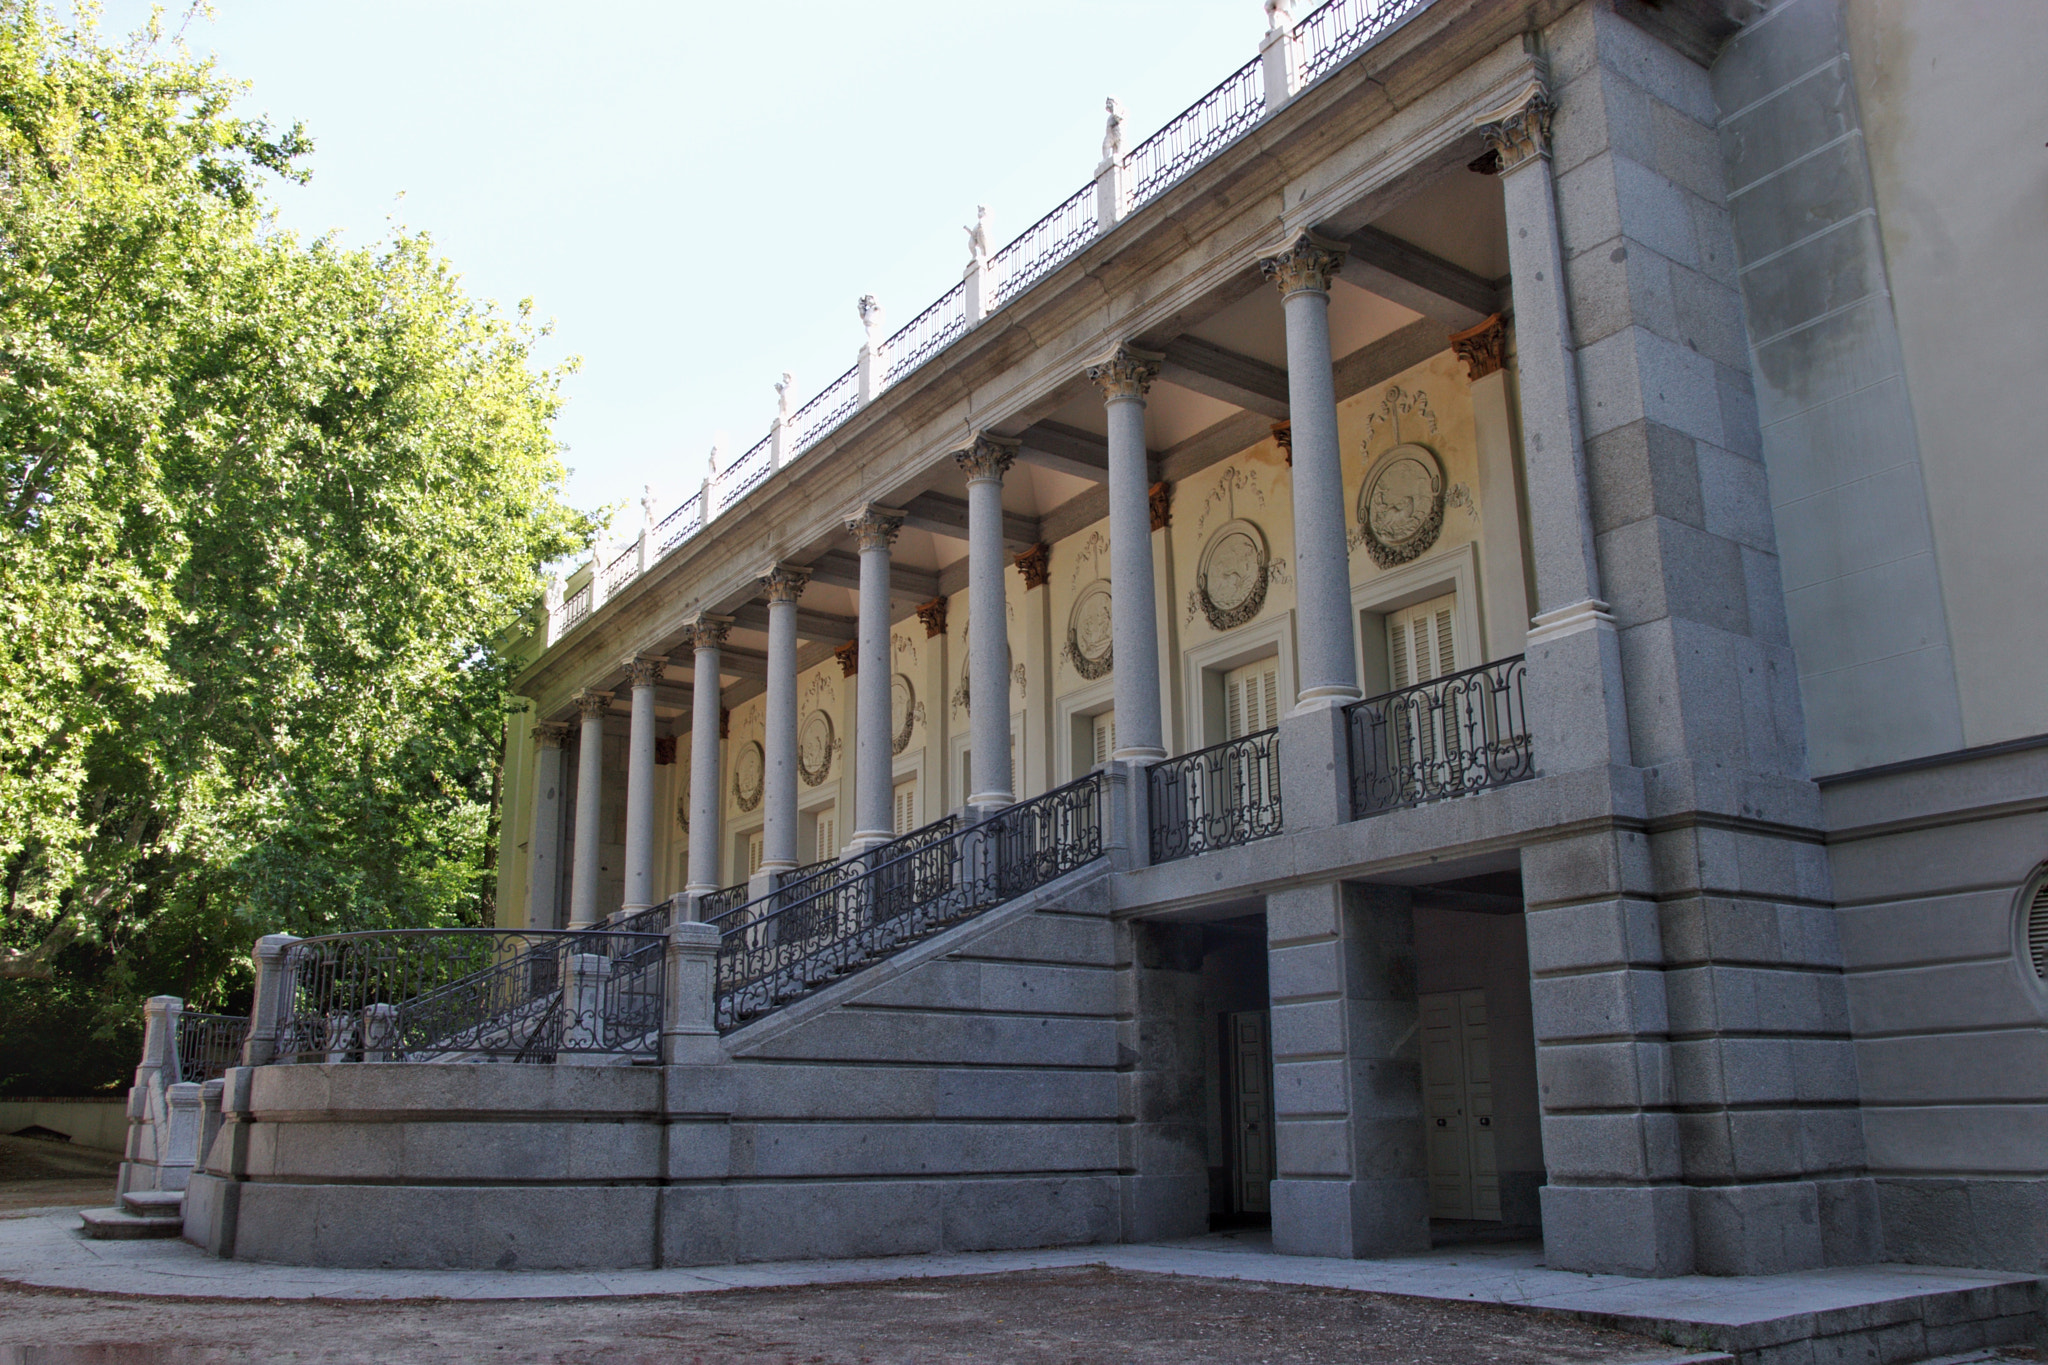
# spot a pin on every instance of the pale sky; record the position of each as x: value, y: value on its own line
x: 698, y: 194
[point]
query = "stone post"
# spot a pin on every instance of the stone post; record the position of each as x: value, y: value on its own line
x: 707, y: 636
x: 782, y: 433
x: 870, y: 368
x: 689, y: 1024
x: 1112, y: 187
x: 157, y: 1068
x: 380, y: 1032
x: 1574, y: 725
x: 593, y: 707
x: 159, y: 1039
x: 1503, y: 562
x: 1280, y: 63
x: 544, y: 853
x: 874, y: 531
x: 210, y: 1093
x: 1352, y: 1175
x: 272, y: 998
x: 988, y: 622
x: 783, y: 584
x: 1134, y: 629
x: 1328, y: 648
x: 644, y: 671
x: 177, y: 1150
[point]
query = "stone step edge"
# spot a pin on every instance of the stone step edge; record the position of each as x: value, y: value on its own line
x: 114, y: 1223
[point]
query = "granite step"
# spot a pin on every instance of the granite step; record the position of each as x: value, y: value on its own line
x: 119, y: 1225
x: 154, y: 1203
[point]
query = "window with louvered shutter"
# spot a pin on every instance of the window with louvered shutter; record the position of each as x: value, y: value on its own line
x: 1105, y: 737
x: 2037, y: 928
x: 1251, y: 699
x: 906, y: 807
x: 828, y: 835
x: 753, y: 853
x: 1419, y: 641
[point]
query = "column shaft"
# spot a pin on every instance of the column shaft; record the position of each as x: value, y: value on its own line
x: 708, y: 635
x: 1134, y: 628
x: 589, y: 803
x: 1322, y: 554
x: 988, y: 623
x: 874, y: 821
x: 639, y: 888
x: 784, y: 584
x: 544, y: 851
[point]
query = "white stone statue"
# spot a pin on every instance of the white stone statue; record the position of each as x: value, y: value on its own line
x: 1279, y: 16
x: 717, y: 457
x: 785, y: 396
x: 1113, y: 133
x: 978, y: 247
x: 646, y: 504
x: 871, y: 318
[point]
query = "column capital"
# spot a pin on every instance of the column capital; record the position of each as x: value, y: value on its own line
x: 848, y: 655
x: 551, y: 734
x: 1309, y: 262
x: 708, y: 632
x: 1036, y: 566
x: 1519, y: 131
x: 645, y: 670
x: 989, y: 457
x: 1483, y: 348
x: 785, y: 582
x: 590, y: 702
x: 1127, y: 373
x: 933, y: 614
x: 875, y: 528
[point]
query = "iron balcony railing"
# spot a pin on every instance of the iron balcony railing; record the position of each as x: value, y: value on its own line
x: 778, y: 949
x: 1219, y: 797
x: 471, y: 994
x: 1324, y: 40
x: 722, y: 901
x: 1451, y: 736
x: 208, y: 1044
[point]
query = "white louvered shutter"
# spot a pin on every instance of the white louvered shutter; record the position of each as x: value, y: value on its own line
x: 906, y: 807
x: 1420, y: 641
x: 753, y: 853
x: 828, y: 835
x: 1251, y: 699
x: 2037, y: 930
x: 1105, y: 737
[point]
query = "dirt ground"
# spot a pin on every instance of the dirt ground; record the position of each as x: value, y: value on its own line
x: 1073, y: 1317
x: 41, y: 1173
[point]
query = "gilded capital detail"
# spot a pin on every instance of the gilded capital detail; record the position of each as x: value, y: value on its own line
x: 646, y: 670
x: 875, y: 528
x: 551, y: 734
x: 593, y: 704
x: 990, y: 457
x: 1310, y: 263
x: 785, y: 582
x: 1483, y: 348
x: 1519, y: 131
x: 708, y: 632
x: 1127, y: 374
x: 933, y: 614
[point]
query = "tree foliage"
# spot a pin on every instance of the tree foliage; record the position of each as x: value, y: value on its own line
x: 264, y: 506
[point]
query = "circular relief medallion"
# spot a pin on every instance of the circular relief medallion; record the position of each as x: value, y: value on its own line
x: 1089, y: 646
x: 814, y: 747
x: 1233, y: 577
x: 749, y: 766
x: 1401, y: 505
x: 902, y: 712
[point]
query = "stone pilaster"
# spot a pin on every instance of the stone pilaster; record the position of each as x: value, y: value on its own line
x: 1124, y: 379
x: 544, y: 851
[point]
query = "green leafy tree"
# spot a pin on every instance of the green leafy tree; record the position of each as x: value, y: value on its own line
x: 267, y: 506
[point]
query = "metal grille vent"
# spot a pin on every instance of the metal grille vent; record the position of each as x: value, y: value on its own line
x: 2037, y: 929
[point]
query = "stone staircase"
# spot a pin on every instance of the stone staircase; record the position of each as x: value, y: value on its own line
x: 141, y: 1213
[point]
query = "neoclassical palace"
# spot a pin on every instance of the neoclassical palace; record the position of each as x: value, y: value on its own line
x: 1439, y: 652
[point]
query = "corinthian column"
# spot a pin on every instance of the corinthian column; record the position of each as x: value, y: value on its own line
x: 1134, y: 617
x: 644, y: 673
x: 874, y: 530
x: 592, y: 707
x: 707, y: 635
x: 988, y: 621
x: 544, y: 852
x: 782, y: 584
x: 1329, y: 667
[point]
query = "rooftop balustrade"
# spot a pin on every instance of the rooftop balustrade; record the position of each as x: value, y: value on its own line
x: 1321, y: 42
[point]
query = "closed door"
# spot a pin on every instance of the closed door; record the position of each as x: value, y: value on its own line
x: 1251, y: 1070
x: 1457, y: 1086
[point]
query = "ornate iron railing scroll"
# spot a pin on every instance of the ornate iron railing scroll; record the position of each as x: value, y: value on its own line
x: 1451, y: 736
x: 679, y: 525
x: 1219, y: 797
x: 1343, y: 28
x: 778, y: 949
x: 1044, y: 245
x: 925, y: 335
x: 1197, y: 133
x: 815, y: 419
x: 208, y: 1044
x: 472, y: 995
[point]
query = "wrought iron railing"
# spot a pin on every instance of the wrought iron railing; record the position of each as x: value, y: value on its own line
x: 1451, y: 736
x: 774, y: 950
x: 620, y: 571
x: 1219, y: 797
x: 1342, y: 28
x: 1197, y: 132
x: 208, y: 1044
x: 1325, y: 39
x: 925, y: 335
x: 471, y: 994
x: 722, y: 901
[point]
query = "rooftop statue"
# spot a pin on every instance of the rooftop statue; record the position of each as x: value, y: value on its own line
x: 1113, y: 133
x: 1279, y: 16
x: 978, y: 235
x: 871, y: 318
x: 785, y: 396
